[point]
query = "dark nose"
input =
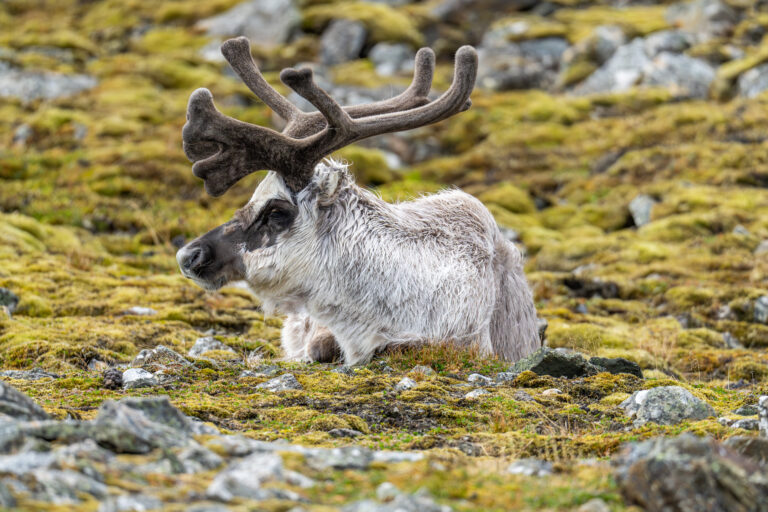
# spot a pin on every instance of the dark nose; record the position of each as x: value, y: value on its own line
x: 195, y: 257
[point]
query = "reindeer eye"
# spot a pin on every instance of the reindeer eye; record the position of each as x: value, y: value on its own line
x: 277, y: 215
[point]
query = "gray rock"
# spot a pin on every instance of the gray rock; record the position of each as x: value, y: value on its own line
x: 555, y: 363
x: 505, y: 377
x: 11, y: 436
x: 244, y: 478
x: 265, y: 22
x: 631, y: 66
x: 33, y: 85
x: 347, y: 457
x: 160, y: 355
x: 762, y: 413
x: 506, y: 65
x: 762, y: 248
x: 617, y: 365
x: 397, y: 502
x: 158, y: 409
x: 689, y: 474
x: 344, y: 432
x: 20, y: 464
x: 392, y: 58
x: 265, y: 370
x: 342, y: 41
x: 36, y: 374
x: 405, y: 384
x: 760, y: 311
x: 753, y: 81
x: 130, y: 503
x: 746, y: 424
x: 594, y: 505
x: 140, y: 311
x: 672, y: 41
x: 6, y: 498
x: 731, y: 341
x: 284, y: 382
x: 607, y: 39
x: 390, y: 457
x: 201, y: 428
x: 641, y: 208
x: 479, y: 380
x: 206, y: 344
x: 19, y: 406
x: 522, y: 396
x: 65, y: 486
x: 705, y: 18
x: 197, y: 458
x: 746, y: 410
x: 138, y: 378
x: 475, y: 394
x: 8, y: 299
x: 665, y: 405
x: 530, y: 467
x: 755, y: 448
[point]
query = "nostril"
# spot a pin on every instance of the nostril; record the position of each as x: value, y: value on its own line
x: 195, y: 257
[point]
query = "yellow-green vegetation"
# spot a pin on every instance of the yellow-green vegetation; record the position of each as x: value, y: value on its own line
x: 92, y: 199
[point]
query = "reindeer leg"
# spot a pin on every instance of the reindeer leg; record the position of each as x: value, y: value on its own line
x: 323, y: 347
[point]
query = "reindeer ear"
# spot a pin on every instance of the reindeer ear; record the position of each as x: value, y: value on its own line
x: 328, y: 183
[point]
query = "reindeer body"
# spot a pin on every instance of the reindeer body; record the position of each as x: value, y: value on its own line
x: 355, y: 274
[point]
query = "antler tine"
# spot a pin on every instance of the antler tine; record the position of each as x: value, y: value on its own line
x: 238, y: 53
x: 303, y: 83
x: 454, y: 100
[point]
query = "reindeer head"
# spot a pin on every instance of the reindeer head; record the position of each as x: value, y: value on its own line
x: 267, y: 238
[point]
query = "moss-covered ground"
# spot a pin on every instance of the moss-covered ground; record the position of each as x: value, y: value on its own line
x: 91, y: 201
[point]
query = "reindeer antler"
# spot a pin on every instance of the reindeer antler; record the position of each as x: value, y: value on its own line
x: 224, y: 150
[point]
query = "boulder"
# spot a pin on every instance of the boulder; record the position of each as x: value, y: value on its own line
x: 342, y: 41
x: 617, y: 365
x: 506, y: 65
x: 19, y: 406
x: 755, y: 448
x: 641, y: 208
x: 266, y: 23
x: 690, y: 474
x: 665, y: 405
x: 556, y: 363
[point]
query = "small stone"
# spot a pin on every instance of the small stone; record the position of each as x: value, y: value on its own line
x: 665, y: 405
x: 505, y: 377
x: 284, y: 382
x: 130, y: 503
x: 342, y: 41
x: 36, y: 374
x: 113, y: 378
x: 392, y: 58
x: 740, y: 230
x: 640, y: 208
x: 207, y: 344
x: 551, y: 392
x: 97, y: 365
x: 347, y: 457
x: 761, y: 310
x: 137, y: 378
x: 19, y: 406
x: 762, y: 413
x: 746, y: 410
x: 344, y: 432
x: 387, y: 492
x: 594, y: 505
x: 405, y: 384
x: 530, y: 467
x: 424, y: 370
x: 265, y: 23
x: 245, y: 477
x: 746, y: 424
x: 475, y: 394
x: 140, y: 311
x: 479, y: 380
x: 522, y: 396
x: 160, y: 355
x: 8, y: 299
x: 731, y: 341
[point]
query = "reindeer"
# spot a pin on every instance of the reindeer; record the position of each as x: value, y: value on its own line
x: 353, y: 273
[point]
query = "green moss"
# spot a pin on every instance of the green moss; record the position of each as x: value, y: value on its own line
x: 369, y: 165
x: 509, y: 197
x: 384, y: 23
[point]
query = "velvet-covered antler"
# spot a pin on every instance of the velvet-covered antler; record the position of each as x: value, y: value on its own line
x: 224, y: 150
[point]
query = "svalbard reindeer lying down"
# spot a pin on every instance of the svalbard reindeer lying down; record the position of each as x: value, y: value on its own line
x: 353, y: 273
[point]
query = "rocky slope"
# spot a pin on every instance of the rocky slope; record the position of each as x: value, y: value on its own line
x: 620, y: 144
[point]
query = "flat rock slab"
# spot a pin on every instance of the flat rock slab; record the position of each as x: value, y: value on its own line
x: 555, y: 363
x: 285, y: 382
x: 36, y: 374
x: 665, y: 405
